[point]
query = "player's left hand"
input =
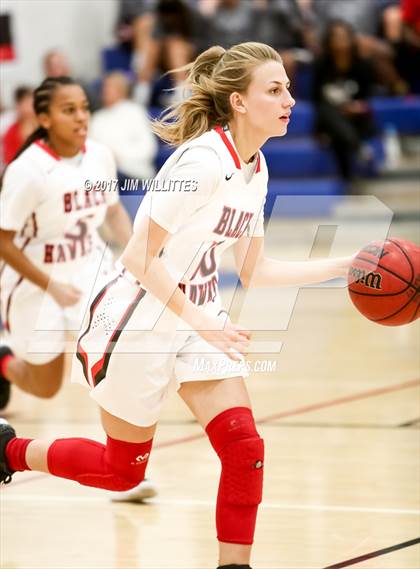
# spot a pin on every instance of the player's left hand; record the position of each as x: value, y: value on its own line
x: 64, y: 294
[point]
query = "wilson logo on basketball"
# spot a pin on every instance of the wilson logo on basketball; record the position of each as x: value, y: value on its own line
x: 375, y: 250
x: 371, y: 280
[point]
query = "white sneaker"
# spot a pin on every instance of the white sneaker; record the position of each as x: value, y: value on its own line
x: 146, y: 489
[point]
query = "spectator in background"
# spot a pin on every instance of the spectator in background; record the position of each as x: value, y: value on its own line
x: 407, y: 44
x: 135, y: 24
x: 290, y: 27
x: 7, y: 118
x: 24, y: 125
x: 342, y: 85
x: 286, y: 25
x: 163, y: 34
x: 124, y: 127
x: 368, y: 18
x: 232, y: 22
x: 56, y: 64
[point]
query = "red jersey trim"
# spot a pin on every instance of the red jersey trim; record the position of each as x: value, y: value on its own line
x: 51, y: 152
x: 81, y: 355
x: 47, y: 149
x: 258, y: 168
x: 35, y: 225
x: 229, y: 146
x: 99, y: 369
x: 233, y: 152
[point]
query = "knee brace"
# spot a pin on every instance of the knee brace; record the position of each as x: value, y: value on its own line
x: 241, y: 451
x: 117, y: 466
x: 127, y: 461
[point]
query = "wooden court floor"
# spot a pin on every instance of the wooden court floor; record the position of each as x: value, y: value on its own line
x: 339, y: 409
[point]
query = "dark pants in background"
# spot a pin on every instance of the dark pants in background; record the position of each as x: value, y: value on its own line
x: 346, y: 134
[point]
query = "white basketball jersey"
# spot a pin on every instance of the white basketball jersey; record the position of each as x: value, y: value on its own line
x: 50, y: 203
x: 203, y: 196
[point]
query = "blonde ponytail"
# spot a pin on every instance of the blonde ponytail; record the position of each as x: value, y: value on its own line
x: 212, y: 77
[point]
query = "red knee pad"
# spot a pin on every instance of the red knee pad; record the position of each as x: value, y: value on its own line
x: 117, y: 466
x: 128, y: 460
x: 241, y: 452
x: 242, y: 472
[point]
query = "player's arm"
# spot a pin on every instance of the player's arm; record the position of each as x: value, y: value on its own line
x: 119, y: 223
x: 64, y: 294
x: 258, y: 271
x: 21, y: 191
x: 117, y: 219
x: 141, y: 258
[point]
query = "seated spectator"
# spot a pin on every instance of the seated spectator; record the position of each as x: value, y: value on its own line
x: 286, y: 25
x: 7, y: 118
x: 162, y: 34
x: 408, y: 44
x: 367, y: 17
x: 124, y: 127
x: 135, y: 24
x: 24, y: 125
x: 232, y: 22
x: 56, y: 64
x: 290, y: 27
x: 342, y: 86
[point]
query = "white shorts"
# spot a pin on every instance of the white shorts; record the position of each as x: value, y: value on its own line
x: 133, y: 351
x: 37, y: 329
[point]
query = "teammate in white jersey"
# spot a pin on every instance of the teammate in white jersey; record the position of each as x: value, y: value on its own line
x: 48, y: 236
x: 161, y: 311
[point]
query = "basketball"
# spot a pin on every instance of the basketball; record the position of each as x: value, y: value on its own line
x: 384, y: 281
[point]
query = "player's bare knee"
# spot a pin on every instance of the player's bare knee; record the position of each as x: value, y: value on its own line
x: 45, y: 380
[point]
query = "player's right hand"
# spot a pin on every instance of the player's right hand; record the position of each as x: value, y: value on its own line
x: 228, y: 337
x: 64, y: 294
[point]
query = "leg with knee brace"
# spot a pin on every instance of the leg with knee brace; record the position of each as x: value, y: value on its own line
x: 117, y: 466
x: 241, y: 451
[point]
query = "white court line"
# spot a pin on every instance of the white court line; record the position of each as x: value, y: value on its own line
x: 208, y: 503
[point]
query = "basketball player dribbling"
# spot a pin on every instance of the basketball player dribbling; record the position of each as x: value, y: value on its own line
x: 162, y: 310
x: 48, y: 238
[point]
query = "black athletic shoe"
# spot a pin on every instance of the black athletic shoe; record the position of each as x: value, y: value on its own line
x: 4, y: 384
x: 7, y: 433
x: 234, y: 566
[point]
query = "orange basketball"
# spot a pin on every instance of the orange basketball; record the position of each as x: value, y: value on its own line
x: 384, y: 282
